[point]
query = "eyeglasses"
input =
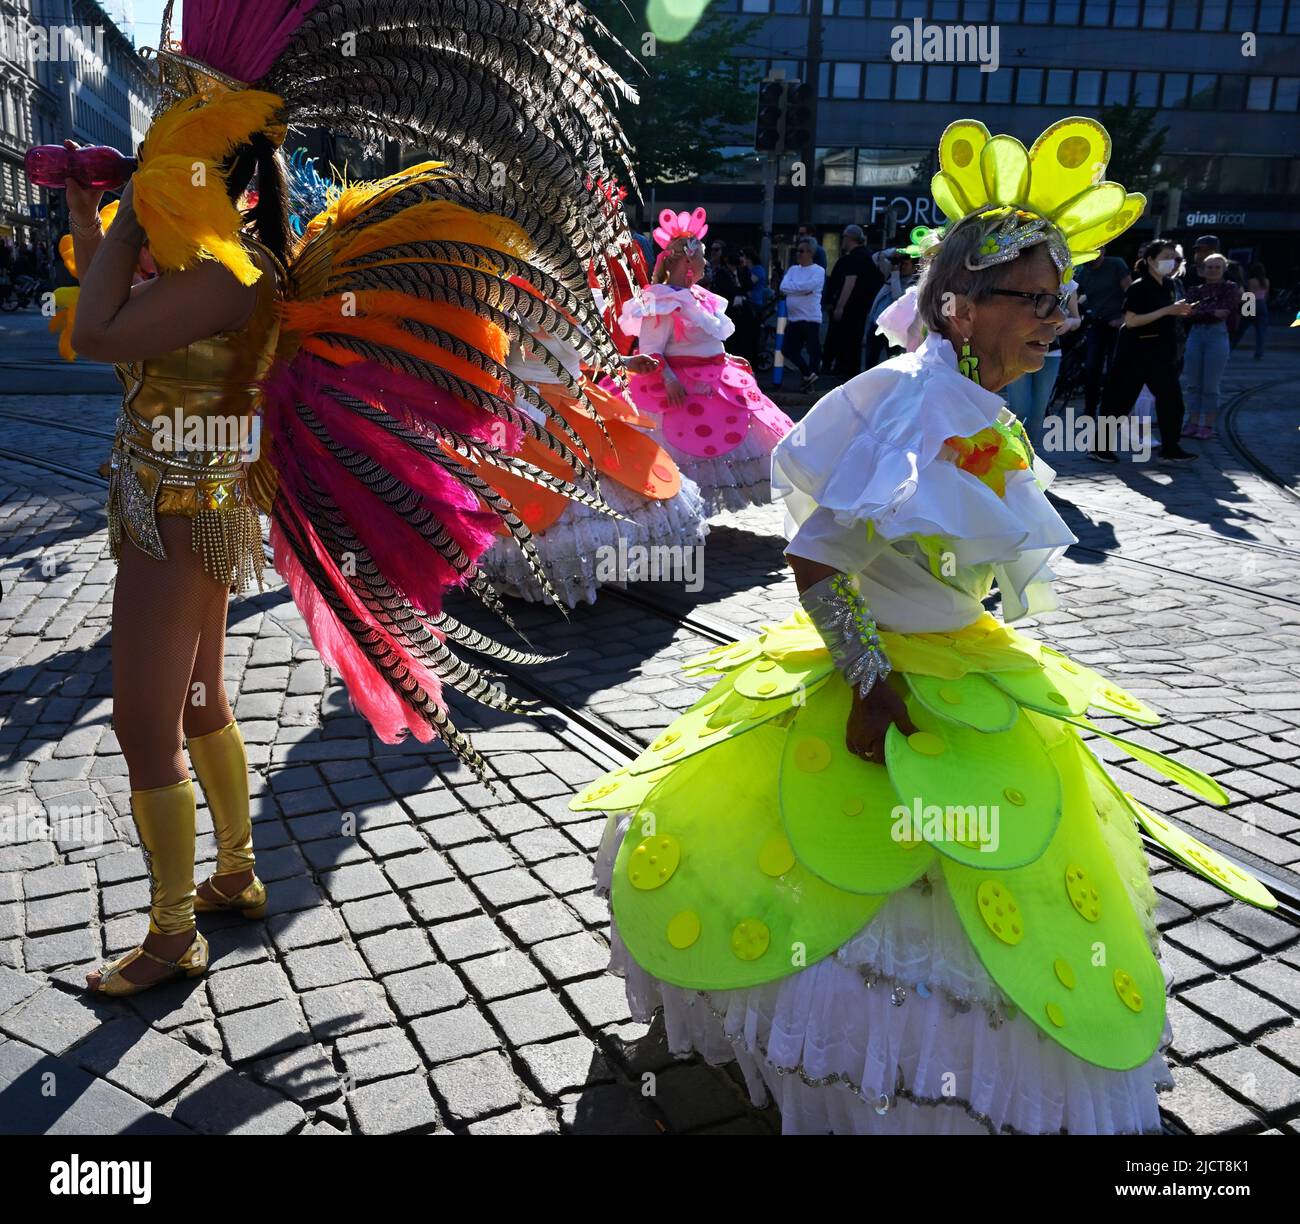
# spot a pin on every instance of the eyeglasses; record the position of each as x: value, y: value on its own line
x: 1044, y: 303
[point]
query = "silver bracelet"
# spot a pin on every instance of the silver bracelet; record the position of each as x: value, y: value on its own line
x: 86, y: 231
x: 847, y: 627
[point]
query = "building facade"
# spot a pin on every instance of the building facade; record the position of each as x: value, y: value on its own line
x: 1222, y: 75
x: 66, y: 70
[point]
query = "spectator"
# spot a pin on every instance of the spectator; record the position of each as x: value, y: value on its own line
x: 1206, y: 245
x: 743, y: 311
x: 899, y: 267
x: 1215, y: 302
x: 646, y: 243
x: 1146, y: 354
x: 802, y: 286
x: 1101, y: 300
x: 1257, y: 287
x: 819, y: 252
x: 851, y: 289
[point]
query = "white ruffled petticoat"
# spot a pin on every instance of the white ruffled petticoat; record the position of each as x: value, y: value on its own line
x: 571, y: 548
x: 901, y: 1031
x: 742, y: 477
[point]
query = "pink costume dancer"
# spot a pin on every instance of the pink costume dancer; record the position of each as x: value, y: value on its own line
x: 722, y: 428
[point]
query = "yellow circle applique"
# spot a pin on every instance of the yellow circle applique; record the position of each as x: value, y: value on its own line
x: 926, y: 743
x: 765, y: 666
x: 1013, y: 796
x: 962, y: 153
x: 664, y: 740
x: 776, y: 857
x: 1127, y: 991
x: 600, y: 792
x: 1064, y: 974
x: 812, y: 754
x: 1073, y: 152
x: 654, y: 860
x: 750, y: 939
x: 683, y: 929
x: 768, y: 686
x: 1000, y: 912
x: 951, y: 695
x: 852, y: 807
x: 1056, y: 1015
x: 1083, y: 895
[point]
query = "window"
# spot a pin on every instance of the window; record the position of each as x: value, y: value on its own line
x: 1241, y: 15
x: 907, y: 83
x: 881, y: 8
x: 1203, y: 88
x: 1270, y: 16
x: 1096, y: 12
x: 1213, y: 14
x: 1155, y: 14
x: 913, y: 8
x: 878, y: 82
x: 755, y: 6
x: 970, y: 85
x: 1029, y: 86
x: 1232, y: 92
x: 846, y: 81
x: 975, y: 10
x: 824, y: 80
x: 1145, y: 88
x: 945, y: 10
x: 853, y: 8
x: 788, y: 6
x: 835, y: 167
x: 1174, y: 93
x: 1038, y: 12
x: 1184, y: 15
x: 1067, y: 12
x: 1260, y: 93
x: 1087, y: 88
x: 1118, y: 85
x: 1006, y: 10
x: 1293, y: 18
x: 1126, y: 14
x: 1058, y: 87
x: 938, y: 83
x: 998, y: 86
x: 1288, y: 94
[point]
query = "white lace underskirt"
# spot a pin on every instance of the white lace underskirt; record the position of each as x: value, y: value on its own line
x: 901, y: 1031
x: 742, y: 477
x: 570, y: 548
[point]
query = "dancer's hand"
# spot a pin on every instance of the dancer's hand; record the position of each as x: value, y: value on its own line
x: 871, y: 717
x: 676, y: 392
x: 83, y: 202
x: 641, y: 363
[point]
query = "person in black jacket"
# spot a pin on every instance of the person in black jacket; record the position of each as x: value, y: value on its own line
x: 851, y: 288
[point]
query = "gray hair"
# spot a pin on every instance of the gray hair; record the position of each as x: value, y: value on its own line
x: 856, y: 232
x: 945, y: 272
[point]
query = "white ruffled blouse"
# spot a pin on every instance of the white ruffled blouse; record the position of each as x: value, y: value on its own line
x: 873, y: 452
x: 677, y: 322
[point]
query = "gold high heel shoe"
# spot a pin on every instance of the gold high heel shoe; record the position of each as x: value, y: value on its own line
x: 221, y: 763
x: 193, y: 962
x: 164, y: 818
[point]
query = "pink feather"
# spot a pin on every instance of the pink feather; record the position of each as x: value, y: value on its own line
x: 242, y: 38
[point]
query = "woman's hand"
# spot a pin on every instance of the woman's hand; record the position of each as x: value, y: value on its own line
x: 83, y: 202
x: 1180, y: 308
x: 641, y: 363
x: 871, y: 717
x: 676, y: 392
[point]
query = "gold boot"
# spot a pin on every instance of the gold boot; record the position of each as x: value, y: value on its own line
x: 222, y: 766
x: 165, y: 820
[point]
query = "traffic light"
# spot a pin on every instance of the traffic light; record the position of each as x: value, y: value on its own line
x: 771, y: 113
x: 798, y: 116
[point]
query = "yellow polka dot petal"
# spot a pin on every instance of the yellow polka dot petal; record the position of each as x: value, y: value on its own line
x: 776, y: 857
x: 750, y: 939
x: 683, y: 929
x: 652, y: 863
x: 812, y: 754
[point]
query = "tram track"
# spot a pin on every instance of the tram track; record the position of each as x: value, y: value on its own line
x: 607, y: 745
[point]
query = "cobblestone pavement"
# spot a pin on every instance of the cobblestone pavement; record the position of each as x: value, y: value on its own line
x: 434, y: 957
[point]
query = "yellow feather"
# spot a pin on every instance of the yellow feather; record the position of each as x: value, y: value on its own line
x: 434, y: 220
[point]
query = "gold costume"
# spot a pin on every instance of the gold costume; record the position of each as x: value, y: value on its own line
x: 206, y: 392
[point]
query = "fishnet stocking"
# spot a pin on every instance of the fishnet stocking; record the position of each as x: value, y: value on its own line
x: 169, y: 628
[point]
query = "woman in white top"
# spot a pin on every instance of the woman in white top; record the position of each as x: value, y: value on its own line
x: 876, y: 862
x: 802, y: 287
x: 716, y: 423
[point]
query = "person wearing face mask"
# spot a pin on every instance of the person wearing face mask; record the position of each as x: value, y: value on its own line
x: 1216, y: 302
x: 716, y: 424
x: 1146, y: 354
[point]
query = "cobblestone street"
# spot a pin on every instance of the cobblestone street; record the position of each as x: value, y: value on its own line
x: 434, y: 958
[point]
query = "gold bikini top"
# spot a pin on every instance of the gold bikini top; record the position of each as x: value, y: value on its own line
x: 215, y: 376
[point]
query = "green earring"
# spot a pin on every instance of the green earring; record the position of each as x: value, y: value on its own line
x: 969, y: 364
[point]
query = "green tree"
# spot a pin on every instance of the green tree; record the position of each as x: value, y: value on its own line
x: 694, y: 93
x: 1136, y: 145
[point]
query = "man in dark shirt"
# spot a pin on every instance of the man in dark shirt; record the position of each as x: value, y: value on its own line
x: 851, y: 288
x: 1101, y: 298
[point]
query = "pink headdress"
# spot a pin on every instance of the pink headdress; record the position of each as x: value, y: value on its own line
x: 680, y: 225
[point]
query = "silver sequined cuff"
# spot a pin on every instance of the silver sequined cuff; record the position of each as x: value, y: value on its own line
x: 847, y: 627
